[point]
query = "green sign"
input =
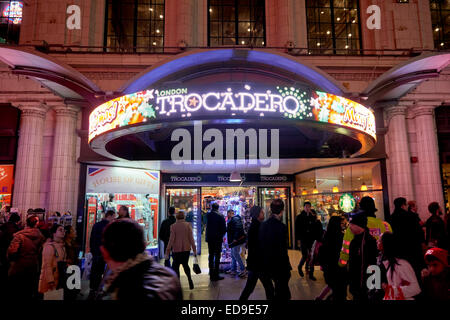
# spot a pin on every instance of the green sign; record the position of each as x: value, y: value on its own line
x: 347, y: 202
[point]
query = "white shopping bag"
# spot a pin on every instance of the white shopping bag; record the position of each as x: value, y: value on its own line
x: 54, y: 294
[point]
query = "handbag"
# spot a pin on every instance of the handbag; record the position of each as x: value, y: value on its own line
x: 196, y: 267
x: 57, y: 294
x: 62, y: 270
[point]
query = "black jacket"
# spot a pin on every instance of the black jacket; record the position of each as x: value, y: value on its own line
x: 254, y: 255
x: 436, y: 231
x: 164, y: 230
x: 95, y: 241
x: 215, y: 227
x: 147, y: 281
x: 235, y: 231
x: 307, y: 228
x: 273, y: 239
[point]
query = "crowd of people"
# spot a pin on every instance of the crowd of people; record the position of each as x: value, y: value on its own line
x: 408, y: 257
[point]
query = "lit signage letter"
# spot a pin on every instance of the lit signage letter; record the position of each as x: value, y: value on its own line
x: 193, y: 102
x: 177, y: 100
x: 285, y: 104
x: 162, y: 100
x: 261, y: 99
x: 228, y: 100
x: 249, y: 106
x: 205, y: 98
x: 276, y: 102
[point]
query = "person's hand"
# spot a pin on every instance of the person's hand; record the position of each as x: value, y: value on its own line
x: 52, y: 285
x: 298, y: 243
x: 166, y: 256
x: 425, y: 273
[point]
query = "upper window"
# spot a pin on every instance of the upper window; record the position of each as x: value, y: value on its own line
x: 10, y: 21
x: 135, y: 25
x: 440, y: 19
x: 333, y: 27
x: 236, y: 22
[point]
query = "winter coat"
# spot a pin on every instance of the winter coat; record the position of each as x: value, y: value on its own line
x: 273, y: 240
x: 329, y: 255
x: 164, y: 231
x: 235, y: 231
x: 254, y: 255
x: 24, y: 250
x: 52, y: 253
x: 403, y: 272
x: 308, y: 228
x: 95, y: 241
x: 436, y: 231
x: 215, y: 227
x: 143, y: 279
x: 7, y: 232
x: 437, y: 288
x: 181, y: 238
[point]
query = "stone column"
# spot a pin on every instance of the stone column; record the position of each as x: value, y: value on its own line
x: 29, y: 156
x: 398, y: 154
x: 63, y: 180
x: 429, y: 182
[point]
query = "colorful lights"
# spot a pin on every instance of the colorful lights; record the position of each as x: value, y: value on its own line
x: 240, y: 100
x: 347, y: 202
x: 13, y: 12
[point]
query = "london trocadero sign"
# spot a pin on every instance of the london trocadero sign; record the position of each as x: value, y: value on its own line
x: 241, y: 101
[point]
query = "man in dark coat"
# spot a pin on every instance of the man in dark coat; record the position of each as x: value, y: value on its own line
x: 273, y: 240
x: 307, y: 229
x: 215, y: 230
x: 435, y: 226
x: 98, y: 264
x: 135, y: 276
x: 164, y: 231
x: 7, y: 232
x: 408, y: 235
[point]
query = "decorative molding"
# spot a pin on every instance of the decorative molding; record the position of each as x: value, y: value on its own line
x: 393, y: 111
x: 421, y: 110
x: 66, y: 111
x: 37, y: 109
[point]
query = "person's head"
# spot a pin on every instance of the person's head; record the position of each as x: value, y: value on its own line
x: 358, y: 222
x: 111, y: 197
x: 335, y: 225
x: 123, y: 212
x: 32, y: 221
x: 69, y: 232
x: 307, y: 206
x: 14, y: 218
x: 400, y: 203
x: 434, y: 208
x: 171, y: 211
x: 180, y: 215
x: 30, y: 211
x: 230, y: 214
x: 277, y: 207
x: 386, y: 245
x: 57, y: 232
x: 215, y: 206
x: 58, y: 214
x: 367, y: 204
x: 122, y: 240
x: 257, y: 213
x: 146, y: 196
x: 437, y: 260
x: 110, y: 215
x: 412, y: 206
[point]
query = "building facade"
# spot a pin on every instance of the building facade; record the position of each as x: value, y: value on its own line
x: 61, y: 59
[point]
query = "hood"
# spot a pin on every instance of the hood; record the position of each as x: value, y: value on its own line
x: 31, y: 233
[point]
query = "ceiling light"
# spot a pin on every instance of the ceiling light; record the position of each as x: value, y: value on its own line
x: 349, y: 34
x: 235, y: 177
x: 363, y: 187
x: 161, y: 16
x: 437, y: 29
x: 335, y: 189
x: 304, y: 193
x: 318, y: 44
x: 210, y: 10
x: 338, y: 19
x: 157, y: 30
x: 328, y: 32
x: 315, y: 190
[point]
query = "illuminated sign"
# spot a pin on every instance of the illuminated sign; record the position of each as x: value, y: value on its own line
x: 13, y: 12
x: 238, y: 101
x: 347, y: 202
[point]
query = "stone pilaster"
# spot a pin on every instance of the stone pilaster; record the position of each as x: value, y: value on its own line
x: 429, y: 181
x: 29, y: 156
x: 398, y: 154
x: 63, y: 179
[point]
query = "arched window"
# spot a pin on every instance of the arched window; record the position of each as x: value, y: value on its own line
x: 440, y: 19
x: 333, y: 26
x: 236, y: 22
x: 134, y: 25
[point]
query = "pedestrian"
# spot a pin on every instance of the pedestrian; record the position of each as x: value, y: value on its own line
x: 362, y: 253
x: 72, y: 249
x: 7, y: 231
x: 273, y: 239
x: 254, y: 261
x: 52, y: 278
x: 164, y: 231
x: 23, y: 255
x: 408, y: 234
x: 215, y: 231
x: 435, y: 226
x: 329, y: 260
x: 135, y: 276
x: 436, y: 278
x: 123, y: 212
x: 236, y: 239
x: 308, y: 228
x: 180, y: 243
x: 375, y: 226
x: 98, y: 263
x: 401, y: 279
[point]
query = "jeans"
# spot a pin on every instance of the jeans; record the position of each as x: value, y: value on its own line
x: 306, y: 251
x: 215, y: 250
x: 97, y: 271
x: 181, y: 258
x: 252, y: 279
x: 236, y: 258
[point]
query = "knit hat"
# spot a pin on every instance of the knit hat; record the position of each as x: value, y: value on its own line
x: 359, y: 218
x: 438, y: 253
x: 367, y: 204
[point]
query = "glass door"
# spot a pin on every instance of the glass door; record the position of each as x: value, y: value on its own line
x: 265, y: 197
x: 188, y: 200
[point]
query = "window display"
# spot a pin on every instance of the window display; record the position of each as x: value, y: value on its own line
x: 6, y: 183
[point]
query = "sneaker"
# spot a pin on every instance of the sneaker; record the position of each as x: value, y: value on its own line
x: 311, y: 277
x: 243, y: 274
x: 300, y: 272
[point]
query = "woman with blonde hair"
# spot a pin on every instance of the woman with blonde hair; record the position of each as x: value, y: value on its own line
x: 181, y: 241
